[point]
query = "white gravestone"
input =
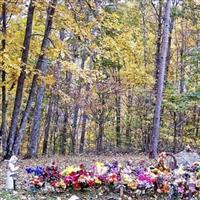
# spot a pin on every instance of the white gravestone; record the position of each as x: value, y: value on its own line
x: 11, y: 173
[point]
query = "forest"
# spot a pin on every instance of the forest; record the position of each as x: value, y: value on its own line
x: 99, y: 78
x: 81, y: 76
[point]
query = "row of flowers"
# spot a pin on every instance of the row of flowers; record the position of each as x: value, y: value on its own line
x: 182, y: 181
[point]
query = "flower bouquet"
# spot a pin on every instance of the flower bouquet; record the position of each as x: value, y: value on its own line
x: 182, y: 182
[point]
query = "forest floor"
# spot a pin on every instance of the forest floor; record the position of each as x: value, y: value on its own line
x: 62, y: 162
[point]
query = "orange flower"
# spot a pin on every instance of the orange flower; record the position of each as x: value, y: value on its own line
x: 165, y: 188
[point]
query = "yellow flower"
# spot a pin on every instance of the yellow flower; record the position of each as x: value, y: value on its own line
x: 127, y: 178
x: 198, y: 184
x: 101, y: 168
x: 97, y: 181
x: 198, y: 175
x: 68, y: 170
x: 133, y: 185
x: 155, y: 171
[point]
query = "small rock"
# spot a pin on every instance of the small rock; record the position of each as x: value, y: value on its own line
x: 15, y: 192
x: 74, y: 197
x: 22, y: 197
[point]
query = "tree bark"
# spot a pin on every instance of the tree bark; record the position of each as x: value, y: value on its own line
x: 101, y: 122
x: 47, y: 125
x: 20, y: 83
x: 175, y: 133
x: 3, y: 102
x: 55, y: 131
x: 144, y: 30
x: 64, y: 133
x: 66, y: 115
x: 42, y: 65
x: 118, y: 115
x: 84, y: 122
x: 74, y: 129
x: 169, y: 50
x: 76, y: 108
x: 128, y: 125
x: 158, y: 44
x: 83, y: 130
x: 35, y: 132
x: 182, y: 79
x: 198, y: 122
x: 99, y: 141
x: 157, y: 114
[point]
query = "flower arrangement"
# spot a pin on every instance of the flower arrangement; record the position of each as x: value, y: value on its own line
x: 183, y: 182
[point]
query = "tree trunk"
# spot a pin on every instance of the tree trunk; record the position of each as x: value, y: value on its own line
x: 47, y: 125
x: 118, y: 120
x: 76, y: 108
x: 84, y: 122
x: 55, y: 127
x: 158, y: 44
x: 99, y: 141
x: 182, y: 80
x: 175, y: 133
x: 83, y: 130
x: 182, y: 73
x: 156, y: 120
x: 35, y: 132
x: 198, y: 123
x: 128, y: 126
x: 3, y: 102
x: 144, y: 30
x: 66, y: 115
x: 42, y: 65
x: 101, y: 122
x: 74, y: 129
x: 169, y: 50
x: 20, y: 83
x: 64, y: 133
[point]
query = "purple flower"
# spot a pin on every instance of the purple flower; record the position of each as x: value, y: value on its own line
x: 37, y: 171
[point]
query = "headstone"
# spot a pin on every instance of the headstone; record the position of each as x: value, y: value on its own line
x: 11, y: 173
x: 187, y: 157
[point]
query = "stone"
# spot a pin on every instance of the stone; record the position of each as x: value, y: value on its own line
x: 186, y: 157
x: 74, y: 197
x: 11, y: 173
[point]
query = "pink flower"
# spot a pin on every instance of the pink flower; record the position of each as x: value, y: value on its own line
x: 181, y: 189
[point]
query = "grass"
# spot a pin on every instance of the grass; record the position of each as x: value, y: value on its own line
x: 6, y: 195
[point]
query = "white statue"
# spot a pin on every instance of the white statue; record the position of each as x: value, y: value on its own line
x: 11, y: 173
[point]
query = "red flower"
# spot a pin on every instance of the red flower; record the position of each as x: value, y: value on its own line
x: 76, y: 185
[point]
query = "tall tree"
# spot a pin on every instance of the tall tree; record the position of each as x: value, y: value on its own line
x: 158, y: 40
x: 118, y: 112
x: 101, y: 124
x: 77, y: 106
x: 66, y: 115
x: 20, y: 83
x: 84, y: 122
x: 144, y: 29
x: 128, y: 117
x: 3, y: 43
x: 47, y: 125
x: 42, y: 65
x: 162, y: 66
